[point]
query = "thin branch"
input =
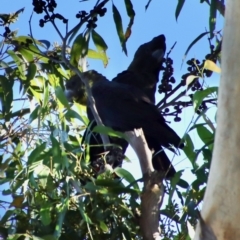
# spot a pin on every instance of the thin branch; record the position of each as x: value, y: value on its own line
x: 53, y: 23
x: 169, y: 94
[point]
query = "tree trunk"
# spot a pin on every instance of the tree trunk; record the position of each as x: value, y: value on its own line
x: 221, y: 209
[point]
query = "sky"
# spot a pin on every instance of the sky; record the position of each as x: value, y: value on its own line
x: 158, y: 19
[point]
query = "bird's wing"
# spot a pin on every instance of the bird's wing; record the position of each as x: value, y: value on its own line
x: 125, y: 108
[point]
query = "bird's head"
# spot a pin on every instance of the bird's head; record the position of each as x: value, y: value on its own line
x: 150, y: 55
x: 75, y: 89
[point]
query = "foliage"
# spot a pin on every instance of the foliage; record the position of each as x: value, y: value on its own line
x: 53, y: 191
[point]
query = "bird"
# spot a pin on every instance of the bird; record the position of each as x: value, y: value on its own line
x: 124, y: 107
x: 143, y: 74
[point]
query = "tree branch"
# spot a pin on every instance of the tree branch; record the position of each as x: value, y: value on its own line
x: 153, y: 191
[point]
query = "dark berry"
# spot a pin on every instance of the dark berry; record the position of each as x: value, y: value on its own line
x: 208, y: 56
x: 193, y: 89
x: 172, y: 80
x: 179, y: 110
x: 41, y: 23
x: 169, y: 61
x: 177, y: 119
x: 83, y: 13
x: 7, y: 30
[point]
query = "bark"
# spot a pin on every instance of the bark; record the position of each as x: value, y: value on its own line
x: 221, y: 209
x: 153, y: 190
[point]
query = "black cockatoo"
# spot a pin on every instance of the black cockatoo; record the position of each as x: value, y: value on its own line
x: 142, y: 74
x: 124, y: 107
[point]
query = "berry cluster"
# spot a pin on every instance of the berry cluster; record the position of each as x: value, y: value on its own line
x: 41, y: 5
x: 81, y: 14
x: 178, y: 110
x: 51, y: 18
x: 167, y: 78
x: 92, y: 17
x: 48, y: 7
x: 193, y: 69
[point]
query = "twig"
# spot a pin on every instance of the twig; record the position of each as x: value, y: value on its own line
x: 171, y: 49
x: 168, y: 95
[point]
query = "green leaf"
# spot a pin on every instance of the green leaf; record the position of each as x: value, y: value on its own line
x: 126, y: 175
x: 45, y: 95
x: 71, y: 37
x: 56, y: 151
x: 59, y: 157
x: 35, y: 153
x: 103, y: 226
x: 189, y: 149
x: 131, y: 14
x: 79, y: 48
x: 174, y: 182
x: 42, y: 172
x: 19, y: 62
x: 205, y: 135
x: 27, y: 39
x: 28, y: 55
x: 32, y: 69
x: 182, y: 183
x: 193, y: 43
x: 108, y: 131
x: 61, y: 209
x: 221, y: 7
x: 207, y: 154
x: 73, y: 114
x: 118, y: 23
x: 46, y: 43
x: 212, y: 17
x: 61, y: 97
x: 6, y: 94
x: 84, y: 215
x: 99, y: 42
x: 200, y: 95
x: 45, y: 213
x: 98, y: 55
x: 179, y: 8
x: 35, y: 114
